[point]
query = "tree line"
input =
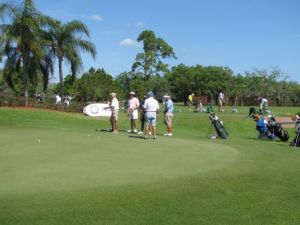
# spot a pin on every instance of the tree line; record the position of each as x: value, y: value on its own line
x: 31, y: 42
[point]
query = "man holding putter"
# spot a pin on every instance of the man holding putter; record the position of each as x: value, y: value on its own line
x: 132, y: 112
x: 169, y: 108
x: 114, y: 106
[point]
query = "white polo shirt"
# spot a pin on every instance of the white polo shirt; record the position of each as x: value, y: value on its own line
x: 115, y: 104
x: 151, y: 105
x: 264, y: 101
x: 221, y: 96
x: 133, y: 103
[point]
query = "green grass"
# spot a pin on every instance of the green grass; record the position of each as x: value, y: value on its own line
x: 75, y: 175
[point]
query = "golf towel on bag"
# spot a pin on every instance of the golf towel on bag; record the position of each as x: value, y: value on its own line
x: 222, y: 133
x: 263, y: 130
x: 261, y: 126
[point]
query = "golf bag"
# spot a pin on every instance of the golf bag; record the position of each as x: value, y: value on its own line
x: 252, y: 111
x: 263, y: 130
x: 296, y: 141
x: 220, y: 129
x: 297, y: 121
x: 277, y: 130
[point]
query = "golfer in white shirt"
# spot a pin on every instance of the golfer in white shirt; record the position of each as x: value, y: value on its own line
x: 151, y: 108
x: 57, y: 99
x: 132, y: 112
x: 221, y: 100
x: 114, y: 106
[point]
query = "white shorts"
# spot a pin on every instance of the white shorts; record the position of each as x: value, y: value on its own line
x: 220, y: 102
x: 133, y: 115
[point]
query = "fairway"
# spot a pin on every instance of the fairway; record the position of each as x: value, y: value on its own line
x: 56, y: 169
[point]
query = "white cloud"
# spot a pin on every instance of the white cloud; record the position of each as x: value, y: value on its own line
x: 128, y: 24
x: 96, y: 17
x: 140, y: 24
x: 129, y: 42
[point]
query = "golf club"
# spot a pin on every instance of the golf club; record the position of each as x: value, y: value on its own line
x: 297, y: 139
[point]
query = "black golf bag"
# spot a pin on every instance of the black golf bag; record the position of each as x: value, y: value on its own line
x: 220, y: 129
x: 296, y: 141
x: 252, y: 111
x: 277, y: 129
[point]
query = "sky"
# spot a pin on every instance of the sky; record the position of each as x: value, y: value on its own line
x: 240, y: 34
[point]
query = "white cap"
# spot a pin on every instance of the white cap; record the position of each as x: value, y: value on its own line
x: 132, y: 93
x: 113, y: 94
x: 167, y: 96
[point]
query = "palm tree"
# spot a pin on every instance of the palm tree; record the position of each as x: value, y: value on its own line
x: 22, y: 41
x: 67, y: 44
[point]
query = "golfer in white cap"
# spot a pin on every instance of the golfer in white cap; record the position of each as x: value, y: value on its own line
x: 114, y: 106
x: 132, y: 112
x: 151, y: 108
x: 169, y: 108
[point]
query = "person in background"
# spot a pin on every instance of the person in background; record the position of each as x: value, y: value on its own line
x: 142, y: 117
x: 66, y: 101
x: 190, y: 101
x: 114, y: 106
x: 57, y: 99
x: 169, y: 108
x: 263, y: 106
x: 151, y: 108
x: 132, y: 112
x: 221, y: 101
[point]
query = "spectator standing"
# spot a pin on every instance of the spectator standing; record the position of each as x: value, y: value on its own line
x: 221, y: 101
x: 142, y: 116
x: 57, y: 99
x: 114, y: 106
x: 151, y: 108
x: 168, y: 117
x: 190, y: 101
x: 132, y: 112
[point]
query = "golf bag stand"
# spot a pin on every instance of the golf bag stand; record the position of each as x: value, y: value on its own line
x: 296, y: 141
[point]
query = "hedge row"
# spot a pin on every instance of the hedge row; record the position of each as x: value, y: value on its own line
x: 21, y: 101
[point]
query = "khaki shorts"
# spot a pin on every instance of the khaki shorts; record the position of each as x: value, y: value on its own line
x: 114, y: 116
x: 168, y: 118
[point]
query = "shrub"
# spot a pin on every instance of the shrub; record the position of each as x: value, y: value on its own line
x: 13, y: 101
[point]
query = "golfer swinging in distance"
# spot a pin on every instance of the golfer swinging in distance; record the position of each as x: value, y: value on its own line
x: 151, y: 113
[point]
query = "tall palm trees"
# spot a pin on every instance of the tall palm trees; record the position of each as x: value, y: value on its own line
x: 67, y: 44
x: 22, y: 41
x: 33, y: 41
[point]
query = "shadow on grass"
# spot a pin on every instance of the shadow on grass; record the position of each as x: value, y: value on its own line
x: 137, y: 137
x: 109, y: 130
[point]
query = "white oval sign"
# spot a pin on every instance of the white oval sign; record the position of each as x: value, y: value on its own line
x: 97, y: 110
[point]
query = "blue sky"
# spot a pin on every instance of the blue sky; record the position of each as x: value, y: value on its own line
x: 240, y: 34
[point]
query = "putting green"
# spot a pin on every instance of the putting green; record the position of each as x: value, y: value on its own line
x: 100, y: 159
x: 75, y: 175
